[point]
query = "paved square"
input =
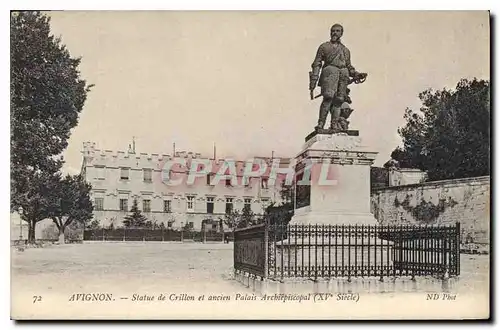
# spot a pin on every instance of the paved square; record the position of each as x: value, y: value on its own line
x: 126, y: 268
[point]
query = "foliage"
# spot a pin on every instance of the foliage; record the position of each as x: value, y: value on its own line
x: 279, y: 214
x: 188, y: 227
x: 379, y: 177
x: 287, y: 192
x: 283, y: 213
x: 70, y: 202
x: 236, y: 219
x: 136, y: 219
x: 94, y: 224
x: 170, y: 219
x: 46, y: 98
x: 425, y: 212
x: 247, y: 218
x: 71, y: 232
x: 451, y: 137
x: 35, y: 202
x: 153, y: 224
x: 231, y: 219
x: 113, y: 223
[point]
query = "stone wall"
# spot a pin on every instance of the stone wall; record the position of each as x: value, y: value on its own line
x: 438, y: 203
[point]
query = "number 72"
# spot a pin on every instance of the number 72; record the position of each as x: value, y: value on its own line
x: 37, y: 298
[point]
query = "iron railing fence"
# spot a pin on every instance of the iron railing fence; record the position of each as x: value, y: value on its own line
x: 158, y: 235
x: 279, y: 251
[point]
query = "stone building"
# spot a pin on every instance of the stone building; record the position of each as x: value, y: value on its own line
x: 406, y: 176
x: 382, y: 177
x: 119, y: 178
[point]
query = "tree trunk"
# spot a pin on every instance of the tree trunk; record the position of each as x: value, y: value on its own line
x: 61, y: 235
x: 31, y: 231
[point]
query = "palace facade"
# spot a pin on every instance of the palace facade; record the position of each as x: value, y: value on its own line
x: 118, y: 178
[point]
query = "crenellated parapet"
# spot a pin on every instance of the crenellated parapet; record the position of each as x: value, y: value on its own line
x: 183, y: 162
x: 109, y: 158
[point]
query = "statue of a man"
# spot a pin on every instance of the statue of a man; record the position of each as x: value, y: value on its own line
x: 333, y: 59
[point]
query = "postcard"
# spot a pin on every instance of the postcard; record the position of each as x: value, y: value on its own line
x: 250, y: 165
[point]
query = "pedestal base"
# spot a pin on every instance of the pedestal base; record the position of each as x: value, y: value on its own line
x: 330, y: 132
x: 305, y: 216
x: 345, y: 199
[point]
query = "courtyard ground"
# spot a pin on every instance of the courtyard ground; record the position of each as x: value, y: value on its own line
x: 55, y: 273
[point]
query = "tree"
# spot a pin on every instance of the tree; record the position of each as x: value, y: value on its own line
x: 283, y: 213
x: 136, y: 218
x: 46, y: 98
x: 247, y: 218
x: 93, y: 225
x: 231, y: 219
x: 451, y: 137
x: 287, y: 192
x: 36, y: 202
x: 112, y: 223
x: 279, y: 214
x: 170, y: 220
x: 151, y: 224
x: 70, y: 202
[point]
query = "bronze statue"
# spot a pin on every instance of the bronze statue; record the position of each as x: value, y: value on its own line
x: 333, y: 59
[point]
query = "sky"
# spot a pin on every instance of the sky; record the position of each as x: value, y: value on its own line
x: 240, y: 79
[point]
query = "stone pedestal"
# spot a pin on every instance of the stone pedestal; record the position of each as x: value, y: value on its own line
x: 338, y: 165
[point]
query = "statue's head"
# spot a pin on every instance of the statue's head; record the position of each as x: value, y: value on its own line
x: 336, y: 32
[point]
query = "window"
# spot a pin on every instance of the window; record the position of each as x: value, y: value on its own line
x: 229, y: 205
x: 123, y: 204
x: 99, y: 172
x: 147, y: 174
x: 246, y: 181
x: 99, y: 203
x: 169, y: 224
x: 247, y: 204
x: 146, y: 205
x: 124, y: 173
x: 263, y: 183
x: 228, y: 182
x: 167, y: 206
x: 190, y: 203
x: 209, y: 179
x: 210, y: 205
x: 214, y: 226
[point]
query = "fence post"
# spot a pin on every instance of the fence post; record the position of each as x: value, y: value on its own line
x: 457, y: 255
x: 266, y: 250
x: 124, y: 233
x: 103, y: 234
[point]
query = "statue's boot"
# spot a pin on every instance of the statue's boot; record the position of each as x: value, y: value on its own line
x: 334, y: 124
x: 324, y: 109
